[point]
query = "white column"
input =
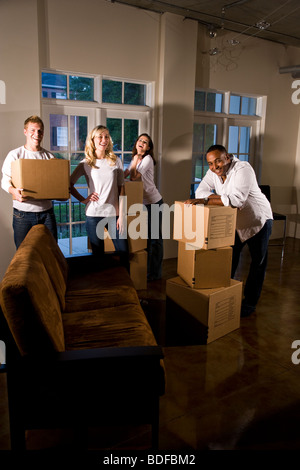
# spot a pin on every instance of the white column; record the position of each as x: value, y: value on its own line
x: 177, y: 68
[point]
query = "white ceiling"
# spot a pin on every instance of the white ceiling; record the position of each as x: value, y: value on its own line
x: 241, y: 16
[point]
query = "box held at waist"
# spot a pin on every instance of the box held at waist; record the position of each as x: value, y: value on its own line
x: 42, y: 179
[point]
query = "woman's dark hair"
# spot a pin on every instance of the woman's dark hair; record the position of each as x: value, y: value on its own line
x: 148, y: 152
x: 220, y: 148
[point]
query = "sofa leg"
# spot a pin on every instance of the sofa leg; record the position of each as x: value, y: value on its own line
x: 155, y: 425
x: 17, y: 438
x: 81, y: 437
x: 17, y: 429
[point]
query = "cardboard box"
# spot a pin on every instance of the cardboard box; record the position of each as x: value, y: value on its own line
x: 108, y: 243
x: 217, y: 309
x: 134, y: 192
x: 137, y: 233
x: 205, y: 227
x: 137, y: 230
x: 138, y: 269
x: 42, y: 179
x: 204, y: 269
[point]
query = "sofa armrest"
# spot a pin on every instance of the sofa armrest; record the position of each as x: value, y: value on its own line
x: 87, y: 263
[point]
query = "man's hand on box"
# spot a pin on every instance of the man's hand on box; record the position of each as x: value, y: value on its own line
x: 17, y: 194
x: 193, y: 202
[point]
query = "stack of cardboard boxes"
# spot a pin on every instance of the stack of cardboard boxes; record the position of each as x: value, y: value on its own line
x: 204, y: 288
x: 136, y: 222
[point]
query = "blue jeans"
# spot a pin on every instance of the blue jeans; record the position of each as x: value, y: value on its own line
x: 97, y: 242
x: 155, y: 247
x: 23, y: 221
x: 258, y: 248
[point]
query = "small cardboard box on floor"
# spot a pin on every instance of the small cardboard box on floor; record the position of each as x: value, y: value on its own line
x: 137, y: 263
x: 42, y: 179
x: 138, y: 269
x: 205, y: 227
x: 217, y: 309
x: 137, y: 230
x: 204, y: 269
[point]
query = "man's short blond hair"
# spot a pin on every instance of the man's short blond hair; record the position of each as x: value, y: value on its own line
x: 35, y: 119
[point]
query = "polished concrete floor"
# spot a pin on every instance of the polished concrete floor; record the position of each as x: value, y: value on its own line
x: 240, y: 392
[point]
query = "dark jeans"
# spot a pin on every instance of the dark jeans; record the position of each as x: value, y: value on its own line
x: 23, y: 221
x: 258, y: 248
x: 97, y: 242
x: 155, y: 247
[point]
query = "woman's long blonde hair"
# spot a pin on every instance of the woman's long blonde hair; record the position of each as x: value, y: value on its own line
x: 89, y: 150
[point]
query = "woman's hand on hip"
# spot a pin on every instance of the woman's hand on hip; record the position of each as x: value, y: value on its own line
x: 91, y: 197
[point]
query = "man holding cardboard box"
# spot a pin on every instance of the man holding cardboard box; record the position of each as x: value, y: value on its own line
x: 231, y: 182
x: 28, y: 212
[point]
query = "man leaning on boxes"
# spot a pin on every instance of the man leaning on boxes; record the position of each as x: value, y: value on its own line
x: 30, y: 206
x: 231, y: 182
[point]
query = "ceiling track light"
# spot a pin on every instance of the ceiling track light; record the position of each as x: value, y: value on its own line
x: 262, y: 25
x: 211, y: 31
x: 214, y: 51
x: 233, y: 42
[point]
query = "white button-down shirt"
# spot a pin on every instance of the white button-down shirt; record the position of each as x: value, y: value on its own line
x: 240, y: 190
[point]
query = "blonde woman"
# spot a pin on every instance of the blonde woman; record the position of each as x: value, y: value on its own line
x: 103, y: 172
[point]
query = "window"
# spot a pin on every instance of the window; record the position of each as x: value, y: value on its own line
x: 115, y: 91
x: 66, y: 86
x: 124, y: 108
x: 242, y: 105
x: 66, y: 131
x: 208, y: 101
x: 204, y: 135
x: 124, y: 133
x: 239, y: 138
x: 124, y: 127
x: 235, y: 121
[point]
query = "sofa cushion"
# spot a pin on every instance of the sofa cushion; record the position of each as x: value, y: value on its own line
x: 30, y: 304
x: 109, y: 288
x: 123, y: 326
x: 42, y: 241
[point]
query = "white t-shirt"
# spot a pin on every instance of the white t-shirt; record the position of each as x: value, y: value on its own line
x: 105, y: 180
x: 35, y: 205
x: 239, y: 190
x: 146, y: 169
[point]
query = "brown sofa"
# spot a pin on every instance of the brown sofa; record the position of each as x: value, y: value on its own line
x: 79, y: 349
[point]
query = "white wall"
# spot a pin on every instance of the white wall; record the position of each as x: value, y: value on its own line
x: 176, y: 103
x: 100, y: 37
x: 19, y: 68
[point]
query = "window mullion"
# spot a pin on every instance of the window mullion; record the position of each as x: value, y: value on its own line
x: 70, y: 199
x: 122, y: 139
x: 68, y: 87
